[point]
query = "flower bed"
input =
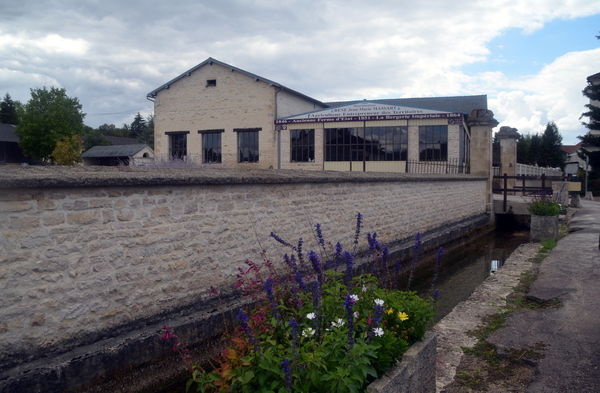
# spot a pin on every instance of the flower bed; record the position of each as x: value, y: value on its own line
x: 320, y: 328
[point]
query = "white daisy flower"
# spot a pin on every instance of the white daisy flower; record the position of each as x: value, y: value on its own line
x: 379, y: 302
x: 308, y: 332
x: 310, y: 315
x: 340, y: 322
x: 354, y: 298
x: 378, y: 332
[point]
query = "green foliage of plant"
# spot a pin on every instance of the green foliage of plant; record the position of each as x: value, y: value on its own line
x: 48, y: 116
x: 544, y: 206
x: 9, y: 110
x: 320, y: 330
x: 322, y: 360
x: 68, y: 151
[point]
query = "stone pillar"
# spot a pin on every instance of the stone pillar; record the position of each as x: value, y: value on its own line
x: 481, y: 122
x: 508, y: 152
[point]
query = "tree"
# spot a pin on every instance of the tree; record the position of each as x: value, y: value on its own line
x: 112, y: 130
x: 49, y: 116
x: 8, y: 111
x: 147, y: 136
x: 94, y: 138
x: 138, y: 127
x: 551, y: 154
x: 68, y: 150
x: 523, y: 148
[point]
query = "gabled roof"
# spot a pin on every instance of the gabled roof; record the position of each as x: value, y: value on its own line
x: 113, y: 151
x: 570, y: 149
x: 464, y: 104
x: 211, y: 61
x: 7, y: 133
x: 593, y: 77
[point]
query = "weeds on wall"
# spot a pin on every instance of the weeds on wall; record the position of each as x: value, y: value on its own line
x: 320, y: 329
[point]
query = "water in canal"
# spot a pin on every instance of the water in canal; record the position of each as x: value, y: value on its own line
x: 464, y: 270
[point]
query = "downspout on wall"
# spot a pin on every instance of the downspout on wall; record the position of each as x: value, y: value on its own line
x: 278, y: 131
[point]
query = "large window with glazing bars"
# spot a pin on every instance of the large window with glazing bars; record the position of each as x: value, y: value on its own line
x: 366, y: 144
x: 211, y: 146
x: 178, y: 144
x: 433, y: 143
x: 247, y: 144
x: 302, y: 143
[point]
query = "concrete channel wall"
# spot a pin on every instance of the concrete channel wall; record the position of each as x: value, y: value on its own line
x: 93, y: 261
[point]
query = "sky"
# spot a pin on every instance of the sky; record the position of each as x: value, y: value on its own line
x: 530, y: 57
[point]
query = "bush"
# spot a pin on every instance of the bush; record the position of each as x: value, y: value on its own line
x: 544, y: 206
x: 319, y: 329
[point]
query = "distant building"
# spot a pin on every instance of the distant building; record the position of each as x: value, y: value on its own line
x: 573, y: 163
x: 127, y: 155
x: 10, y: 152
x: 216, y: 114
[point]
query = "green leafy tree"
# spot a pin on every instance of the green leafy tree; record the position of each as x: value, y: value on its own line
x: 147, y: 136
x: 112, y: 130
x: 68, y: 150
x: 8, y: 111
x: 94, y: 138
x: 550, y: 153
x: 138, y: 127
x: 49, y: 116
x: 523, y: 149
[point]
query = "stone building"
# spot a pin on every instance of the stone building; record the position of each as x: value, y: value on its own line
x: 218, y: 114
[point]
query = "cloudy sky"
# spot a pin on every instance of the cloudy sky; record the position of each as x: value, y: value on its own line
x: 531, y: 57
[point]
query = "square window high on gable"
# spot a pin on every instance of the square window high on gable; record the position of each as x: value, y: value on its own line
x: 211, y: 83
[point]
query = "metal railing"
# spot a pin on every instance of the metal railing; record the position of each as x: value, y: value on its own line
x: 450, y: 166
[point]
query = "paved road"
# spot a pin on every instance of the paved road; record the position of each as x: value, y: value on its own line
x: 571, y: 333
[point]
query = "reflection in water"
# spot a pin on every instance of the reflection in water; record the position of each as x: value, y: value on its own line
x: 464, y: 270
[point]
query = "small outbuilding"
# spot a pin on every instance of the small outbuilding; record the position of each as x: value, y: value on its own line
x: 126, y: 155
x: 10, y: 152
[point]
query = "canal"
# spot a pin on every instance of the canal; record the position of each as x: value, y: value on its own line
x: 462, y: 271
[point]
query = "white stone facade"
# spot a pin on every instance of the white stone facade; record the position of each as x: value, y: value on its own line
x: 216, y: 96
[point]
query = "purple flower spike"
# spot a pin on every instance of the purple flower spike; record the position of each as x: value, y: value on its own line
x: 243, y: 319
x: 280, y: 240
x: 337, y: 256
x: 294, y: 325
x: 286, y: 366
x: 320, y: 238
x: 313, y: 257
x: 349, y: 304
x: 438, y: 266
x: 271, y: 296
x: 359, y: 220
x: 349, y: 270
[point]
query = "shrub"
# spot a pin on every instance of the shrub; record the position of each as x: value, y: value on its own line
x: 317, y: 330
x: 544, y: 206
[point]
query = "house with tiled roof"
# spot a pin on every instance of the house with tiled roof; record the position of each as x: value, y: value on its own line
x: 215, y: 113
x: 128, y: 155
